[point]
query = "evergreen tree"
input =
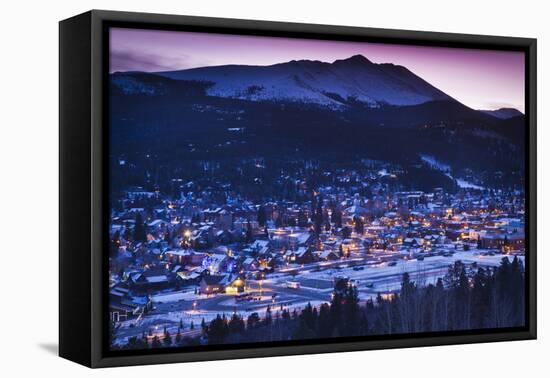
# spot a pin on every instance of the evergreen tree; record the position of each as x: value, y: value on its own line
x: 303, y: 332
x: 139, y: 229
x: 359, y: 225
x: 346, y: 232
x: 112, y: 332
x: 325, y: 326
x: 135, y: 343
x: 168, y: 236
x: 336, y: 218
x: 480, y: 298
x: 268, y: 318
x: 115, y: 243
x: 262, y: 216
x: 302, y: 219
x: 253, y: 320
x: 167, y: 339
x: 236, y: 324
x: 217, y: 330
x: 156, y: 342
x: 285, y: 315
x: 350, y: 312
x: 249, y: 236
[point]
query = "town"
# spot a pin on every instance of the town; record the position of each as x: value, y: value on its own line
x: 179, y: 260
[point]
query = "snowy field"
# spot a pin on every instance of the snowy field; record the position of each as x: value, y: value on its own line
x: 375, y: 278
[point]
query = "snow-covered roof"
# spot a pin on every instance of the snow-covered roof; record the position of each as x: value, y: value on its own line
x: 356, y: 210
x: 180, y: 252
x: 326, y: 254
x: 301, y: 237
x: 248, y: 261
x: 156, y: 279
x: 156, y: 222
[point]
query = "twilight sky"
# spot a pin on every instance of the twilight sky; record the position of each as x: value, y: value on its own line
x: 480, y: 79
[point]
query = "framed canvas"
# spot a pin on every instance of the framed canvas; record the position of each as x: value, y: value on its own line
x: 233, y: 188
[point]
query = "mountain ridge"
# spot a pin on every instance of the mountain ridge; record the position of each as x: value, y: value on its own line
x: 352, y: 80
x: 504, y: 113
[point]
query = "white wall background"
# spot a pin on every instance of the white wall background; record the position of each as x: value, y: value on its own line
x: 29, y: 185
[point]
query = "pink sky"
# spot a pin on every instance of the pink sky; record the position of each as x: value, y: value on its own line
x: 480, y: 79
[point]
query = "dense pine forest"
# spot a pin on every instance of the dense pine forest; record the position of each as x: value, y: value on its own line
x: 466, y: 298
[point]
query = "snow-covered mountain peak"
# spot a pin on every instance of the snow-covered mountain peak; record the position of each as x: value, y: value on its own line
x: 355, y: 59
x: 340, y: 83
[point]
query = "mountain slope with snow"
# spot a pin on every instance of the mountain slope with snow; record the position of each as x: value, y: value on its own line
x: 342, y: 82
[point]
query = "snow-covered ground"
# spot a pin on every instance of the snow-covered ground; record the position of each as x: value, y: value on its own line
x: 176, y: 296
x: 432, y: 162
x: 467, y: 185
x: 316, y: 283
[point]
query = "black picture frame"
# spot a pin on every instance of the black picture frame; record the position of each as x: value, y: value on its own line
x: 83, y: 109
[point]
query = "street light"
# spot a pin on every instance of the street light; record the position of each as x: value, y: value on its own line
x: 262, y: 277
